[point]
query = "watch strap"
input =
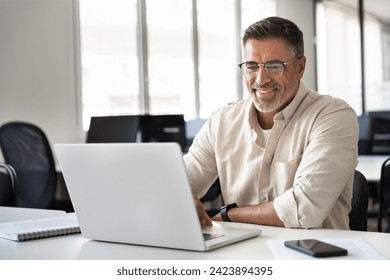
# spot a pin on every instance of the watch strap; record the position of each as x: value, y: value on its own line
x: 224, y: 210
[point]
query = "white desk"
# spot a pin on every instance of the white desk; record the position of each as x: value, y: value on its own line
x: 370, y: 167
x: 76, y: 247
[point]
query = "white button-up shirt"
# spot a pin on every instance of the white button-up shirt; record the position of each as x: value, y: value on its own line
x: 305, y: 163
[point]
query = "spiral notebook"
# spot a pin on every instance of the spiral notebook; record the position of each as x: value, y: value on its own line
x: 42, y: 228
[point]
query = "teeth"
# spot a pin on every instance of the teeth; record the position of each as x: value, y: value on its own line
x: 265, y: 91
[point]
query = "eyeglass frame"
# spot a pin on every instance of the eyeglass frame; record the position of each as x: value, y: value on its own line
x: 284, y: 64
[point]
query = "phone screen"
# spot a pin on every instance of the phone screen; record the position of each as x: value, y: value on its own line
x: 316, y: 248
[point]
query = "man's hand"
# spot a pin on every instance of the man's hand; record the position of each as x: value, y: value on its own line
x: 202, y: 214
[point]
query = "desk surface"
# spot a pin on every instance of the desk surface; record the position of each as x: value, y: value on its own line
x: 370, y: 167
x: 76, y: 247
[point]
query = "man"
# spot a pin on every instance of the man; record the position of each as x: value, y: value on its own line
x: 285, y: 156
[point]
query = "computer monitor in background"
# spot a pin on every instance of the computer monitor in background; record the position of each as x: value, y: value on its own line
x: 113, y: 129
x: 163, y: 128
x: 380, y: 132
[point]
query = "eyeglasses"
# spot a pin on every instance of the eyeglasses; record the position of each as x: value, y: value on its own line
x: 274, y: 69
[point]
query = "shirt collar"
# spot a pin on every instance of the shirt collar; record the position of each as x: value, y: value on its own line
x: 252, y: 115
x: 288, y: 112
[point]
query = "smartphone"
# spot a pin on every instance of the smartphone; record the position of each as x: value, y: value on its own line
x: 315, y: 248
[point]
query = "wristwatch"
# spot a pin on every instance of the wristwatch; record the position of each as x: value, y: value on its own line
x: 224, y: 209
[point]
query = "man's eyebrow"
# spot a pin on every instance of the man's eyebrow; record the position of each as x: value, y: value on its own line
x: 269, y: 61
x: 274, y: 60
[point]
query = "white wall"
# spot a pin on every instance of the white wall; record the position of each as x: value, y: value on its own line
x: 38, y: 80
x: 39, y: 67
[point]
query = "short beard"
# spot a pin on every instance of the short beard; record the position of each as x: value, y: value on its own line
x: 267, y: 105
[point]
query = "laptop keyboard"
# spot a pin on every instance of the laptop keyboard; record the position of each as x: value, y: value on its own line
x: 209, y: 236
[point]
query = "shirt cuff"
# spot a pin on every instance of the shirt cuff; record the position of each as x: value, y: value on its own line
x: 287, y: 209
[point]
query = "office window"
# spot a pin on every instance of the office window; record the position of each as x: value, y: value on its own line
x: 171, y: 76
x: 338, y: 53
x: 339, y: 57
x: 111, y: 60
x: 108, y: 58
x: 377, y: 92
x: 217, y: 59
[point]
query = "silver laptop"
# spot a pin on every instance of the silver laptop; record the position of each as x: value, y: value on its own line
x: 138, y: 193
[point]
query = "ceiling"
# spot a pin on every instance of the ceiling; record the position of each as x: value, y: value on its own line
x: 379, y: 8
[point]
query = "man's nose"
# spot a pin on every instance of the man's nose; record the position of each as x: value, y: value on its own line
x: 262, y: 76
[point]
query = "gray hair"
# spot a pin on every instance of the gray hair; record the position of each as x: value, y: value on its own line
x: 277, y: 27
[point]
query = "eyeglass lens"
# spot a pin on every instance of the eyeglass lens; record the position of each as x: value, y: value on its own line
x: 273, y: 69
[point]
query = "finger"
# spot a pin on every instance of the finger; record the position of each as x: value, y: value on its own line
x: 205, y: 220
x: 202, y: 214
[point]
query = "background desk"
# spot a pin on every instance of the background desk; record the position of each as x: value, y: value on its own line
x: 370, y: 167
x: 76, y: 247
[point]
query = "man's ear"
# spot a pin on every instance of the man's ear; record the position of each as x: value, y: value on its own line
x: 301, y: 66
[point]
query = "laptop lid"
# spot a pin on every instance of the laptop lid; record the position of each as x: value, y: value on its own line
x: 135, y: 193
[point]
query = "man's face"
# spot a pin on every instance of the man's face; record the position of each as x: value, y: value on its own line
x: 272, y: 94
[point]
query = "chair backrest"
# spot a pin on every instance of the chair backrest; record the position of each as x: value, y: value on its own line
x: 7, y: 185
x: 26, y: 148
x: 384, y: 192
x: 360, y: 195
x: 113, y: 129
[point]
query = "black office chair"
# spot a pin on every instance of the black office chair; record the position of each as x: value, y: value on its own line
x: 7, y: 185
x: 360, y: 194
x: 384, y: 196
x: 26, y: 148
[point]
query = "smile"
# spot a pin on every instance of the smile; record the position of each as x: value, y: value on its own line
x: 265, y: 91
